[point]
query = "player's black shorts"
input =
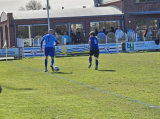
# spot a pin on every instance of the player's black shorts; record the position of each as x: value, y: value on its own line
x: 94, y: 52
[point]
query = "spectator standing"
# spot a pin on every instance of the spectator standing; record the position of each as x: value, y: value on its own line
x: 104, y: 31
x: 158, y: 35
x: 107, y: 31
x: 145, y: 33
x: 101, y: 31
x: 112, y: 30
x: 118, y: 30
x: 147, y: 36
x: 65, y: 37
x: 74, y: 37
x: 150, y: 32
x: 58, y: 38
x: 101, y: 36
x: 78, y: 36
x: 83, y: 37
x: 96, y: 32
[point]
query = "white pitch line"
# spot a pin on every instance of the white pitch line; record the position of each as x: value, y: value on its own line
x: 98, y: 89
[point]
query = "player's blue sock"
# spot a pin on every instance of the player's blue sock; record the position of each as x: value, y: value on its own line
x: 52, y: 62
x: 45, y: 63
x: 90, y: 60
x: 96, y: 63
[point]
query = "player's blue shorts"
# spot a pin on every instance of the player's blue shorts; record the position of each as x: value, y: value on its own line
x: 49, y: 51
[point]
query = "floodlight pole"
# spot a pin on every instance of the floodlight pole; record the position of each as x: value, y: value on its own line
x: 48, y: 14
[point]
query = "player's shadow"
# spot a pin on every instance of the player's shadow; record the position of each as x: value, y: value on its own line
x: 13, y: 88
x: 61, y: 73
x: 108, y: 70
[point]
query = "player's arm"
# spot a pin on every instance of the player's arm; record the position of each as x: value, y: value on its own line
x: 42, y: 43
x: 55, y: 40
x: 89, y: 43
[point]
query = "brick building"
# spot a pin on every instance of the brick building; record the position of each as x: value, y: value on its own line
x: 141, y: 15
x: 32, y: 25
x: 138, y: 15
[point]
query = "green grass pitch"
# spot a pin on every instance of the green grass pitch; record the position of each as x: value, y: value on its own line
x: 126, y: 86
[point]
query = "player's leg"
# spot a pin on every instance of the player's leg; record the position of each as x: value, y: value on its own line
x: 90, y: 61
x: 90, y: 58
x: 46, y: 58
x: 96, y: 59
x: 52, y: 62
x: 46, y: 61
x: 96, y: 62
x: 52, y: 58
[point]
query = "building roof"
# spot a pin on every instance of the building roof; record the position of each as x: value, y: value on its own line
x: 109, y: 1
x: 67, y: 13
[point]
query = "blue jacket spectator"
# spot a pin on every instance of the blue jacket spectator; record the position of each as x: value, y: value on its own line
x: 65, y: 36
x: 118, y: 31
x: 101, y: 37
x: 101, y: 31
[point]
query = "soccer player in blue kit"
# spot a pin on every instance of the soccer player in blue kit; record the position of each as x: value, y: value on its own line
x: 49, y: 47
x: 94, y: 50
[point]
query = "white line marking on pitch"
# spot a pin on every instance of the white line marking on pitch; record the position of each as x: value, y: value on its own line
x: 98, y: 89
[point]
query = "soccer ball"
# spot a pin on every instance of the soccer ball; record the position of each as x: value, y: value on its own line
x: 0, y: 89
x: 56, y: 68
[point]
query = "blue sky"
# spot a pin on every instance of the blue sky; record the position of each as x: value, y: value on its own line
x: 14, y: 5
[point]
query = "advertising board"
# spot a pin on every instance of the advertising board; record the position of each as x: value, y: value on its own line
x: 11, y: 52
x: 74, y: 49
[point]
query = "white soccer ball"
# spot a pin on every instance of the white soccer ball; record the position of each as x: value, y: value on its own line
x: 56, y: 68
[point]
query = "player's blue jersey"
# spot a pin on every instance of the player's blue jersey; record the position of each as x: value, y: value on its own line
x: 49, y: 40
x: 94, y: 43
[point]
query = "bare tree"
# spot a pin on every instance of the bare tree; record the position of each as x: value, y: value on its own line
x: 21, y: 8
x: 32, y: 5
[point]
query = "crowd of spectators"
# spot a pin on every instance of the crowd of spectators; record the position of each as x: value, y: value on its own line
x: 78, y: 37
x: 115, y: 31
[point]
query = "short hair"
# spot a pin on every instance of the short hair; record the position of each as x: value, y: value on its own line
x: 92, y: 33
x: 50, y: 30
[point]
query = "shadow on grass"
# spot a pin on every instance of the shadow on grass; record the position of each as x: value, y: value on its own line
x: 13, y: 88
x: 73, y: 55
x: 61, y: 73
x: 108, y: 70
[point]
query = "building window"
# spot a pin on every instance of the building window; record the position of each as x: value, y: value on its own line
x: 76, y: 26
x: 38, y: 32
x: 25, y: 33
x: 60, y: 29
x: 146, y: 1
x: 112, y: 24
x: 153, y: 27
x: 141, y: 26
x: 147, y: 24
x: 105, y: 25
x: 32, y: 34
x: 1, y: 32
x: 69, y: 28
x: 96, y: 26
